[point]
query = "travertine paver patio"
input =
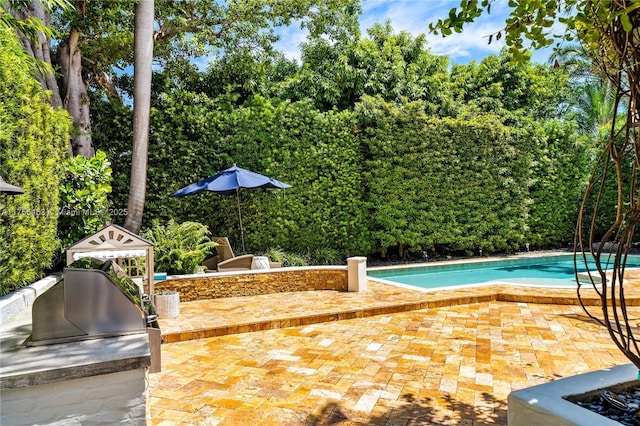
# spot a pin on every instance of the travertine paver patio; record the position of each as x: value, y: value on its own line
x: 404, y: 357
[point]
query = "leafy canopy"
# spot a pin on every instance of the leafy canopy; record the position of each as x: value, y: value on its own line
x: 185, y: 30
x: 394, y: 66
x: 535, y: 20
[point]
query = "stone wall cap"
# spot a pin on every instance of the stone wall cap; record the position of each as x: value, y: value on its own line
x: 15, y: 302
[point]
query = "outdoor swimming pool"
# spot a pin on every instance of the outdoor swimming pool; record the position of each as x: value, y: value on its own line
x: 542, y: 271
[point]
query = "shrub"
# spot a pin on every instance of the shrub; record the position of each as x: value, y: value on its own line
x: 326, y: 256
x: 292, y: 259
x: 179, y: 248
x: 286, y: 259
x: 33, y: 138
x: 83, y: 198
x: 275, y: 255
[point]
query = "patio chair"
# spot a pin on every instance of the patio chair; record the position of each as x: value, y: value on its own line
x: 225, y: 252
x: 225, y: 260
x: 238, y: 263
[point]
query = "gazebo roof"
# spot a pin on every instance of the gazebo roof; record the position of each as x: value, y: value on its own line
x: 115, y: 242
x: 112, y: 237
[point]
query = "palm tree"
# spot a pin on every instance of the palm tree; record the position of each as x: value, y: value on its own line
x: 593, y: 107
x: 594, y: 97
x: 143, y: 57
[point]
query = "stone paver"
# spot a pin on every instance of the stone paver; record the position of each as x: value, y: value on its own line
x: 231, y: 315
x: 403, y: 358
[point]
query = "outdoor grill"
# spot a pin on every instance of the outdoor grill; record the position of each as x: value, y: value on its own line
x: 94, y: 299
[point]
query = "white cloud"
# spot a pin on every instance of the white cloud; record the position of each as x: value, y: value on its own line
x: 415, y: 16
x: 291, y: 38
x: 472, y: 43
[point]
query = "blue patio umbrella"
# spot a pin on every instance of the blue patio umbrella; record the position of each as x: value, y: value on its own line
x: 229, y: 182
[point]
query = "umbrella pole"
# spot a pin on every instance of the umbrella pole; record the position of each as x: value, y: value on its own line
x: 240, y: 217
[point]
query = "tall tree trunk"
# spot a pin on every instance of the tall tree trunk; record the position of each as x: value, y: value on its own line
x: 142, y: 72
x: 74, y: 94
x: 40, y: 49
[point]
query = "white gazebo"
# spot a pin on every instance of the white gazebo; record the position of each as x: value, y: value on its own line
x: 133, y: 253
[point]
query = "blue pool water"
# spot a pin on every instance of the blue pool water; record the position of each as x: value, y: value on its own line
x: 556, y: 271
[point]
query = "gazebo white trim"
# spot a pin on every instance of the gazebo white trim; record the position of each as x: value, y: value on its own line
x: 115, y: 242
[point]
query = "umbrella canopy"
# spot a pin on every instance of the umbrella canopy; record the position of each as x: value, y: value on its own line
x: 8, y: 189
x: 228, y: 182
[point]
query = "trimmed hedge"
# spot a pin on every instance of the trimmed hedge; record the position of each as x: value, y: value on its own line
x: 318, y: 153
x: 385, y: 177
x: 84, y: 208
x: 33, y: 138
x: 443, y: 185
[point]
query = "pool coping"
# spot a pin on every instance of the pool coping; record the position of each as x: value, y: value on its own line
x: 467, y: 286
x: 530, y: 255
x: 242, y: 314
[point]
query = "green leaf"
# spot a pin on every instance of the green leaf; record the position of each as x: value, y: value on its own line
x: 626, y: 22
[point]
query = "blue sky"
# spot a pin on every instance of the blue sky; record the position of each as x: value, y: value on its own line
x: 414, y: 16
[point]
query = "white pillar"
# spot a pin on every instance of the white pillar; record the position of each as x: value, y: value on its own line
x: 357, y: 273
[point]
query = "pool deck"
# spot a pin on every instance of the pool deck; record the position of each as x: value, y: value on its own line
x: 389, y: 355
x: 232, y: 315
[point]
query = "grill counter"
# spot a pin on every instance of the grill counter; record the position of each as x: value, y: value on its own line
x: 94, y: 300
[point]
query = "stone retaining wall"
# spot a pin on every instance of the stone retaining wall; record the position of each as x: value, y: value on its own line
x: 251, y: 283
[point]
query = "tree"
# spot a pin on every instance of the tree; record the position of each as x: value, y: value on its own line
x: 76, y: 72
x: 33, y: 29
x: 609, y: 34
x: 593, y: 98
x: 95, y: 39
x: 143, y: 58
x: 500, y: 85
x: 394, y: 66
x: 240, y: 74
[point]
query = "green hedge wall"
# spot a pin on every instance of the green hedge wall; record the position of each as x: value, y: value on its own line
x: 560, y: 169
x: 383, y: 178
x: 443, y: 185
x: 33, y: 138
x: 317, y: 153
x: 84, y: 208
